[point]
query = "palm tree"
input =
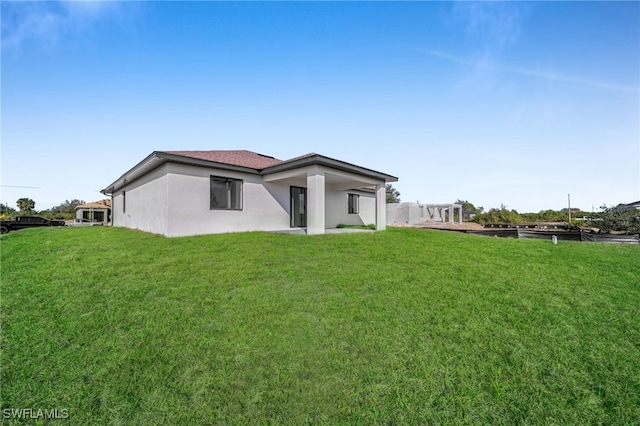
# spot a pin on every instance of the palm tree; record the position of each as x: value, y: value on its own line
x: 393, y: 195
x: 26, y: 204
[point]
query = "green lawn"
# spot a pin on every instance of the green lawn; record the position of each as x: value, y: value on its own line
x: 397, y: 327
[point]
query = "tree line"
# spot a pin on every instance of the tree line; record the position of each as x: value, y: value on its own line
x: 26, y: 206
x: 618, y: 218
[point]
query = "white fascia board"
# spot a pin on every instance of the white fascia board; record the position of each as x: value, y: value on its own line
x: 350, y: 185
x: 271, y: 177
x: 143, y: 167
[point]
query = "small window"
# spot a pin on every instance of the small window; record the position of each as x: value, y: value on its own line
x: 124, y: 201
x: 226, y: 193
x: 353, y: 203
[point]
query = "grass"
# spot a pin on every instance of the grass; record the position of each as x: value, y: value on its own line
x: 371, y: 226
x: 397, y: 327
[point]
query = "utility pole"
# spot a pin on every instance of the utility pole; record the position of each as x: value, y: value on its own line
x: 569, y: 198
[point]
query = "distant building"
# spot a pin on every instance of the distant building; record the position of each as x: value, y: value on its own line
x: 97, y: 211
x: 633, y: 205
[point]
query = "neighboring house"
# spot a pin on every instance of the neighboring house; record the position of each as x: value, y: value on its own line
x: 177, y: 193
x: 97, y: 211
x: 633, y: 205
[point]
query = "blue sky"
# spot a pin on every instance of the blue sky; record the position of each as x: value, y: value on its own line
x: 511, y: 103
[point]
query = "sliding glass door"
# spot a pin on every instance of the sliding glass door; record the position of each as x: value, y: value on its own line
x: 298, y: 207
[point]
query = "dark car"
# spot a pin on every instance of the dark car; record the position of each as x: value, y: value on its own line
x: 22, y: 222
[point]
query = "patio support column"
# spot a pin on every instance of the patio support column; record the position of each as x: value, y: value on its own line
x: 381, y: 207
x: 315, y: 201
x: 451, y: 214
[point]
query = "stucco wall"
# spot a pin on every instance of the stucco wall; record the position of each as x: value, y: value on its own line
x: 265, y: 206
x: 412, y: 213
x: 174, y: 200
x: 146, y: 201
x: 337, y: 209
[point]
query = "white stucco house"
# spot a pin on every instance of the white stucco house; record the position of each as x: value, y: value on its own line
x: 179, y: 193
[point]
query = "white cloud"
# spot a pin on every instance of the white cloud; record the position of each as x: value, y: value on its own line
x: 536, y: 73
x: 46, y: 22
x: 496, y: 24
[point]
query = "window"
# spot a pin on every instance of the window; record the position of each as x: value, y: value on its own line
x: 353, y: 203
x: 93, y: 215
x: 226, y: 193
x: 124, y: 201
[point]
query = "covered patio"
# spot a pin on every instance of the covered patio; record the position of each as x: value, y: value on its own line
x: 319, y: 179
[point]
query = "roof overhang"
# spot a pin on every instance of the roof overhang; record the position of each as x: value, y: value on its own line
x: 92, y: 207
x: 321, y: 160
x: 158, y: 158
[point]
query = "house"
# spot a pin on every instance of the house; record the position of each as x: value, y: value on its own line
x: 178, y: 193
x: 633, y: 205
x: 97, y: 211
